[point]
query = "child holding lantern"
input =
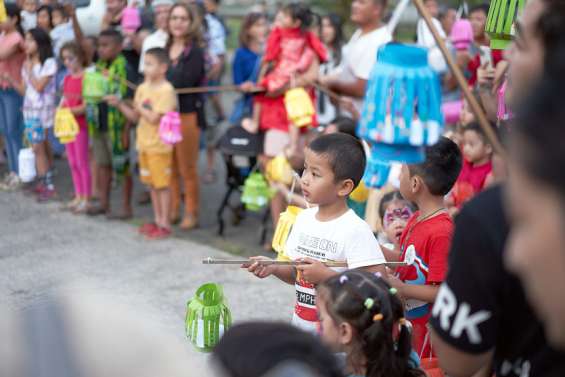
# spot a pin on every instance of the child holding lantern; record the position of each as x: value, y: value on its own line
x: 334, y: 165
x: 294, y: 51
x: 74, y: 59
x: 153, y: 99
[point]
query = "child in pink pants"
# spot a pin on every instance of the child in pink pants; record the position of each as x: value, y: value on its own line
x: 77, y: 151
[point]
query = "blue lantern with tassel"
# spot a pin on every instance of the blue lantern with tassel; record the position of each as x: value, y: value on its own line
x: 402, y: 110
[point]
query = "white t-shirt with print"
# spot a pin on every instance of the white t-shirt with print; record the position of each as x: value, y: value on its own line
x: 360, y: 55
x: 347, y: 238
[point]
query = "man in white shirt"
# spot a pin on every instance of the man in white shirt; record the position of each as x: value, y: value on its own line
x: 160, y: 36
x: 360, y: 54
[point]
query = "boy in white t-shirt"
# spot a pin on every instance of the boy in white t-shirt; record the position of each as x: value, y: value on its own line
x: 331, y: 232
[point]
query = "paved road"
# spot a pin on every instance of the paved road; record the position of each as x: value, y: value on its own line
x: 42, y: 249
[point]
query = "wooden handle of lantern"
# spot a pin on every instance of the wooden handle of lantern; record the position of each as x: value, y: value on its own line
x: 475, y: 107
x: 283, y: 263
x: 203, y: 89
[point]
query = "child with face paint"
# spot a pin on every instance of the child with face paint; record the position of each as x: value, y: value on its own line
x: 394, y: 211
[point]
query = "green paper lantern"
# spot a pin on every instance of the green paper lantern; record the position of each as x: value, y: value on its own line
x: 207, y: 317
x: 256, y: 192
x: 94, y: 87
x: 501, y: 17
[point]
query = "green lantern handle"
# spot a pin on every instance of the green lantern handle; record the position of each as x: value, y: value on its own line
x: 210, y: 294
x: 475, y: 107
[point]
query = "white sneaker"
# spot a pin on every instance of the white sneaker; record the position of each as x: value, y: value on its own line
x: 81, y: 207
x: 4, y: 185
x: 14, y: 183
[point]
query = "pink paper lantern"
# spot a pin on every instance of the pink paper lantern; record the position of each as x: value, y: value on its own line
x: 131, y: 19
x: 169, y: 128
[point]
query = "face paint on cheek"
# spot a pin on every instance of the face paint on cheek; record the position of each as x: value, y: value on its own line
x: 402, y: 214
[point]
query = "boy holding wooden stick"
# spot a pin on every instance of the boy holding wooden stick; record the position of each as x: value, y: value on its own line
x: 330, y: 232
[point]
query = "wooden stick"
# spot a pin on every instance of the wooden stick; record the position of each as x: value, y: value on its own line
x: 283, y: 263
x: 333, y: 95
x: 475, y: 107
x: 203, y: 89
x: 221, y: 88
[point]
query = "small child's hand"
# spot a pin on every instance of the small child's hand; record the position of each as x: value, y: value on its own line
x: 396, y: 283
x: 324, y: 80
x: 259, y: 270
x: 313, y: 271
x: 247, y: 86
x: 112, y: 100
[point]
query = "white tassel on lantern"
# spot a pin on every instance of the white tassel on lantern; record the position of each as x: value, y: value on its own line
x: 26, y: 163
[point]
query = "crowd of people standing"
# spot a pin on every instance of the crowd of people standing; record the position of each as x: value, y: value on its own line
x: 480, y: 226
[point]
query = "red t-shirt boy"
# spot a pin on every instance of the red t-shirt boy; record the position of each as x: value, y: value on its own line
x: 425, y: 244
x: 425, y: 241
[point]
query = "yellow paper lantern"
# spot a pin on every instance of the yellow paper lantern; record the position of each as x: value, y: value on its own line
x: 284, y: 226
x: 299, y: 107
x: 360, y: 194
x: 279, y: 170
x: 3, y: 14
x: 66, y: 127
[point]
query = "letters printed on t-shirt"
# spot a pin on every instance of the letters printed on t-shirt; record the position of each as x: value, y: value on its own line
x: 456, y: 317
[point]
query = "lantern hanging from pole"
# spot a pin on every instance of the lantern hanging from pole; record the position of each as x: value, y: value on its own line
x: 376, y: 172
x: 279, y: 170
x: 284, y: 226
x: 256, y: 192
x: 66, y: 127
x: 94, y: 87
x: 501, y: 18
x: 402, y: 110
x: 131, y: 20
x: 169, y: 128
x: 207, y: 317
x: 299, y: 107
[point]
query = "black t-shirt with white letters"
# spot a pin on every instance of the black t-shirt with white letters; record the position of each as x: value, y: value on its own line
x: 482, y: 305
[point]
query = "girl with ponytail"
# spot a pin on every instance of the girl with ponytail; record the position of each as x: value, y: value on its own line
x: 362, y: 316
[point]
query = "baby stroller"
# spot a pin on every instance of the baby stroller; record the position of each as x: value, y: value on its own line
x: 239, y: 149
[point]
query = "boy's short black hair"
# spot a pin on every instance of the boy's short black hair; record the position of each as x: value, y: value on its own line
x: 112, y: 33
x: 441, y: 168
x: 160, y: 54
x: 345, y: 154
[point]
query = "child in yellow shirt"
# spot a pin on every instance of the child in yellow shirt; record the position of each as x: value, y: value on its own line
x: 153, y: 98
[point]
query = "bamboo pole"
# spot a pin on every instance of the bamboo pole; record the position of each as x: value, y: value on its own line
x: 475, y: 107
x: 283, y: 263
